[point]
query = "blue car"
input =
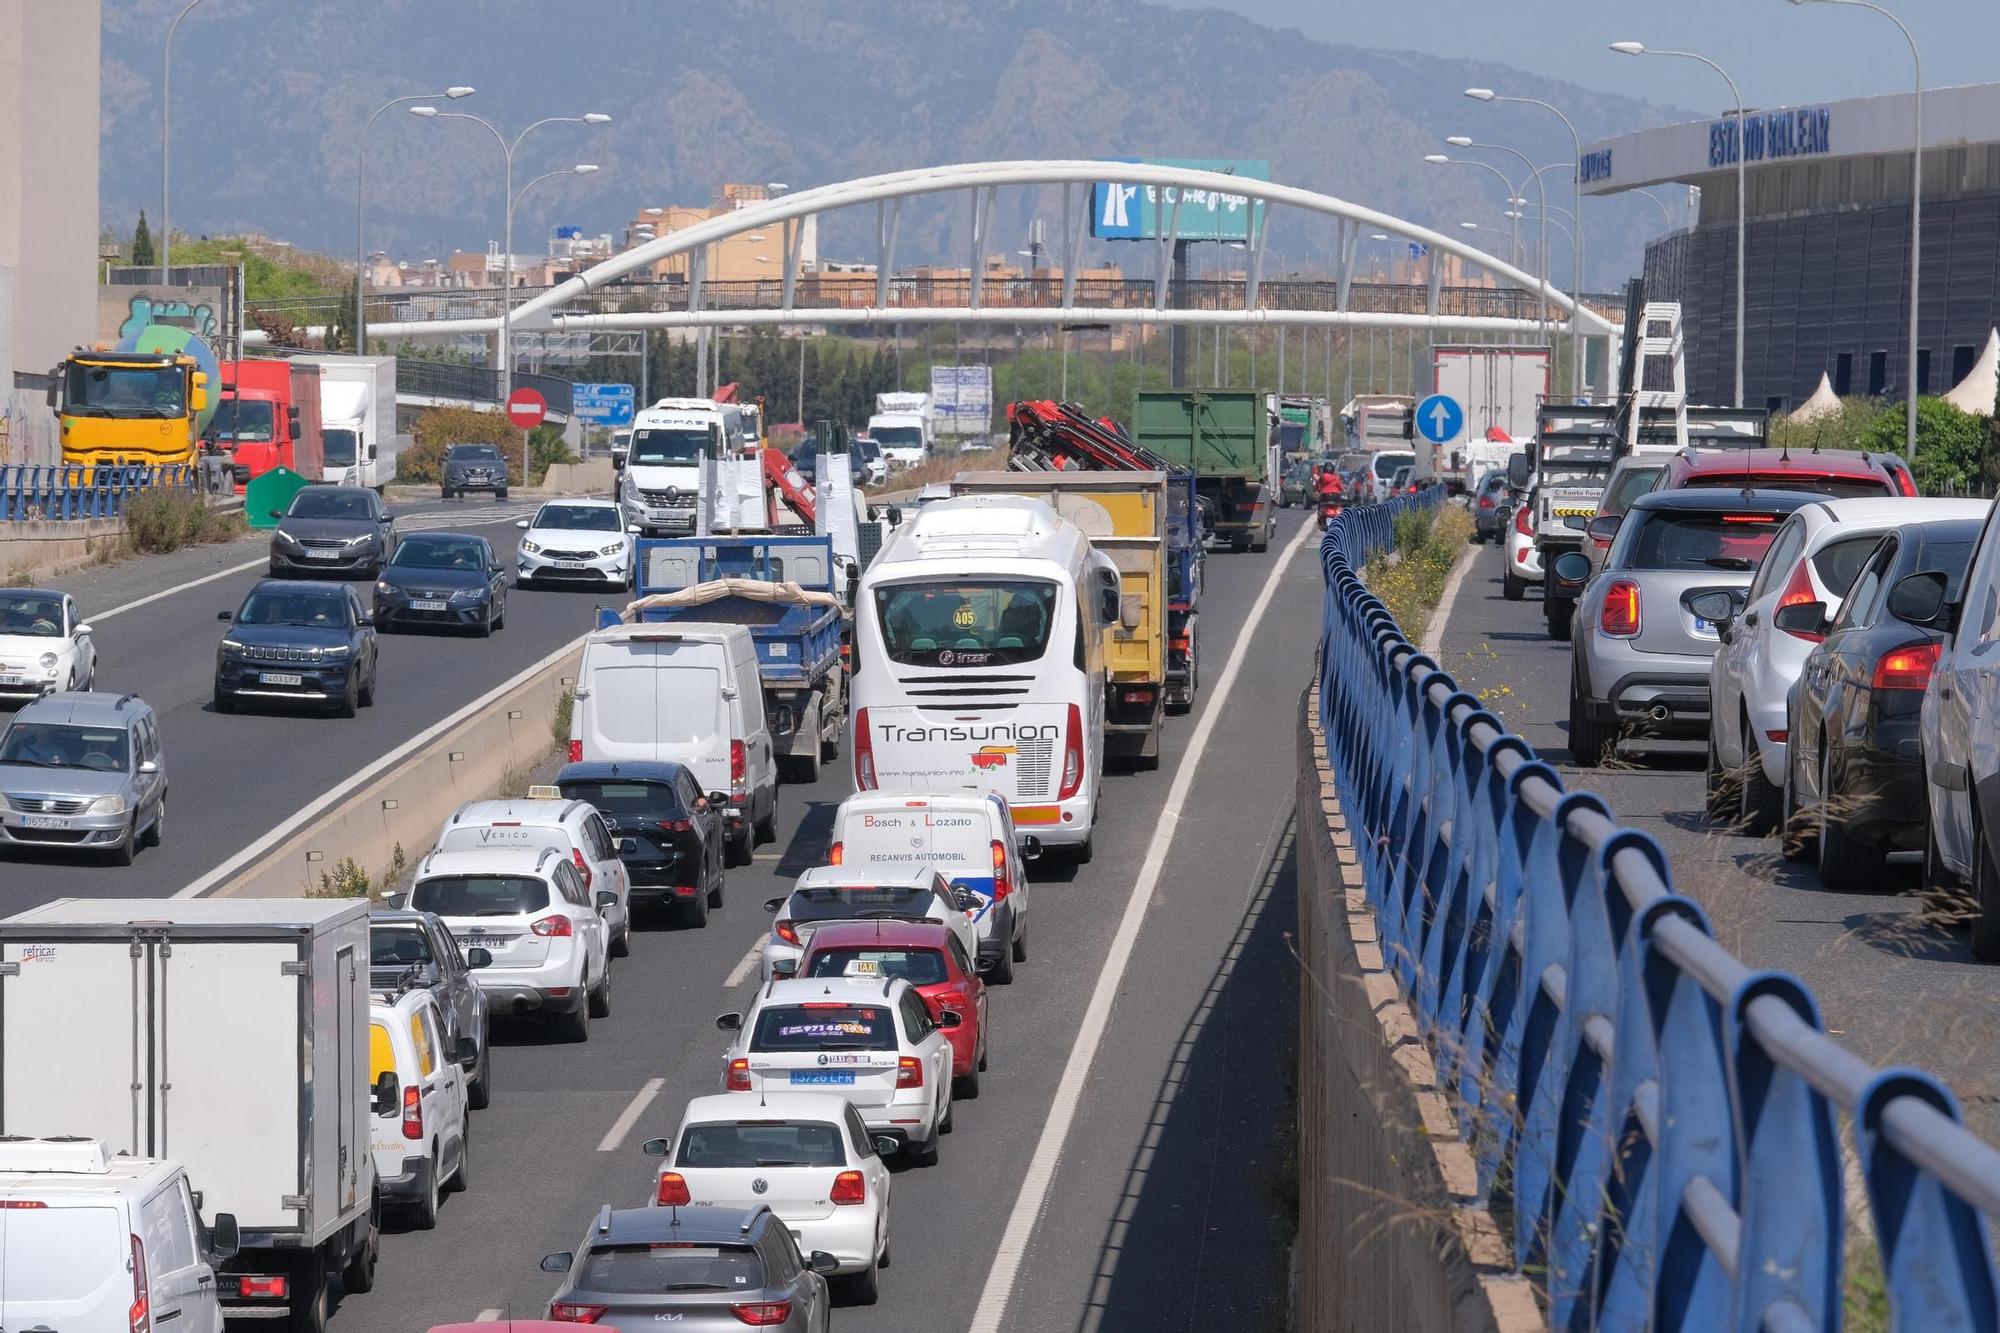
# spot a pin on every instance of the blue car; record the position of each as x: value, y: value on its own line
x: 297, y: 642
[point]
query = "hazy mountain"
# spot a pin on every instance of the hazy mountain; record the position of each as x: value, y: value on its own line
x: 269, y: 98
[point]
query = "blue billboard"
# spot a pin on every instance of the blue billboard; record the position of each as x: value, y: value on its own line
x: 1121, y: 211
x: 604, y: 404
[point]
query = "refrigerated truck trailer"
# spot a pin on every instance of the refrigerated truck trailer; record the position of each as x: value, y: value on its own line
x: 1500, y: 389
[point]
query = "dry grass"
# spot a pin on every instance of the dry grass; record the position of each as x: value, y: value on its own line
x: 1427, y: 546
x: 943, y: 468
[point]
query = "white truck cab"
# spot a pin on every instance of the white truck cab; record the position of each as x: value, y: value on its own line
x: 661, y: 480
x: 95, y: 1243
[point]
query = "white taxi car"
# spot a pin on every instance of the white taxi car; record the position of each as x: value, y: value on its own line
x: 546, y: 819
x: 865, y: 1038
x: 806, y: 1156
x: 574, y: 541
x: 419, y: 1113
x: 45, y: 646
x: 858, y: 893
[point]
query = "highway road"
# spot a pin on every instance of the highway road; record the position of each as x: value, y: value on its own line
x: 1893, y: 983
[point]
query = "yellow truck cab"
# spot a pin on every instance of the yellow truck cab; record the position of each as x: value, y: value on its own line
x: 129, y: 407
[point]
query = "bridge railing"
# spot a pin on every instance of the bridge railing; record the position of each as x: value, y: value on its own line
x: 1654, y: 1119
x: 67, y: 491
x: 478, y: 384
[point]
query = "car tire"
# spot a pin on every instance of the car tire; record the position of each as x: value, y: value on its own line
x: 444, y: 492
x: 156, y: 831
x: 1798, y: 836
x: 309, y: 1275
x: 479, y: 1090
x: 1560, y: 615
x: 1758, y: 811
x: 1846, y: 864
x: 966, y: 1086
x: 1985, y: 905
x: 367, y: 693
x: 485, y: 628
x: 926, y: 1155
x: 1084, y: 851
x: 349, y: 704
x: 1939, y: 884
x: 423, y: 1214
x: 1511, y: 588
x: 359, y: 1275
x: 122, y: 854
x: 500, y: 494
x: 715, y: 891
x: 737, y: 851
x: 1020, y: 946
x: 862, y: 1288
x: 1591, y: 743
x: 463, y: 1176
x: 1002, y: 971
x: 225, y: 702
x: 1719, y: 787
x: 599, y: 996
x: 574, y: 1026
x: 621, y: 944
x: 694, y: 911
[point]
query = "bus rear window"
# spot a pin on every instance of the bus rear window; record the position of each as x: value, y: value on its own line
x: 967, y: 622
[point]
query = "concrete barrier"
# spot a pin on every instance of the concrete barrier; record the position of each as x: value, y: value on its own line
x: 591, y: 477
x: 36, y: 549
x: 1392, y: 1232
x: 405, y: 796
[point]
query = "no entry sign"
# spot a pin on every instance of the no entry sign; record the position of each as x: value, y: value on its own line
x: 526, y: 408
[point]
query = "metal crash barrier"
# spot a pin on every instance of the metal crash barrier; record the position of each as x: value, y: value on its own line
x: 1654, y: 1120
x: 69, y: 492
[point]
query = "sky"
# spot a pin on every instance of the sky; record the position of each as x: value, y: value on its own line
x: 1779, y: 53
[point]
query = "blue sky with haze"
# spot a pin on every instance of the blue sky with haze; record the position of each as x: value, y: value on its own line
x: 1779, y: 53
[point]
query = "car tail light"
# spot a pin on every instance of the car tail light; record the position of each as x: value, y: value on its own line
x: 1907, y: 668
x: 1072, y: 777
x: 413, y: 1113
x: 568, y: 1312
x: 1620, y: 616
x: 1906, y: 484
x: 1798, y: 591
x: 141, y: 1313
x: 1486, y: 502
x: 738, y: 1077
x: 582, y: 866
x: 787, y: 932
x: 762, y: 1314
x: 848, y: 1187
x: 909, y: 1072
x: 739, y: 767
x: 576, y: 752
x: 864, y: 754
x: 836, y: 853
x: 676, y: 825
x: 1524, y: 522
x: 553, y: 928
x: 261, y: 1287
x: 672, y: 1191
x: 1001, y: 887
x: 1180, y: 645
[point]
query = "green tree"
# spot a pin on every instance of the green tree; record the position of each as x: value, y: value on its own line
x: 143, y: 254
x: 423, y: 461
x: 1857, y: 422
x: 1951, y: 445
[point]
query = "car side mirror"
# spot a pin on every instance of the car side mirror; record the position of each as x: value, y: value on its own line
x: 1802, y: 618
x: 886, y: 1146
x: 558, y: 1262
x: 1718, y: 608
x: 149, y: 766
x: 1031, y: 848
x: 225, y: 1238
x: 522, y: 524
x: 634, y: 529
x: 465, y: 1053
x: 292, y: 421
x: 656, y: 1147
x: 476, y: 958
x: 962, y: 899
x: 1918, y: 599
x: 225, y: 615
x: 386, y: 1090
x: 773, y: 904
x: 718, y: 798
x: 949, y: 1018
x: 822, y: 1262
x: 895, y: 516
x: 784, y: 967
x: 1575, y: 522
x: 729, y: 1022
x: 372, y: 452
x: 1604, y: 527
x: 1572, y: 569
x: 606, y: 900
x: 82, y: 631
x: 277, y: 513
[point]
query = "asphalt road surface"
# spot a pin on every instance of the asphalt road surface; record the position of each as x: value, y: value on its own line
x: 1893, y: 984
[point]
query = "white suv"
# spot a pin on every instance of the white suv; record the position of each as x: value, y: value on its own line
x: 573, y: 828
x: 851, y: 893
x: 806, y: 1156
x: 865, y: 1038
x: 529, y: 910
x: 419, y: 1116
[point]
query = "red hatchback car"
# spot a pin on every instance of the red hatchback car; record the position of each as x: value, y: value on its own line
x: 1839, y: 474
x: 928, y: 956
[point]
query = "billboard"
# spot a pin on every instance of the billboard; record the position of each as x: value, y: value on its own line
x: 603, y: 404
x: 1125, y: 212
x: 962, y: 399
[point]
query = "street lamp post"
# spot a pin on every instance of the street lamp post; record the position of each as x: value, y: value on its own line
x: 1515, y: 200
x: 1576, y: 259
x: 1742, y: 162
x: 1541, y: 193
x: 454, y: 92
x: 167, y: 143
x: 1916, y: 210
x: 1661, y: 204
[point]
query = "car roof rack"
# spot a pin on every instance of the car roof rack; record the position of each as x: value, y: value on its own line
x: 124, y: 699
x: 604, y: 1220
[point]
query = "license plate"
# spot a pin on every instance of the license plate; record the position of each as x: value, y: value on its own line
x: 1703, y: 626
x: 569, y: 564
x: 427, y: 605
x: 13, y: 680
x: 322, y: 555
x: 44, y: 821
x: 282, y: 678
x: 841, y: 1077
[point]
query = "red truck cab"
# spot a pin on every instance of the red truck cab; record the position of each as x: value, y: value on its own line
x: 266, y: 416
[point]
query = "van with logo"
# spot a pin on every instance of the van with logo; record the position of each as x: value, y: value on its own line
x: 968, y: 839
x: 419, y: 1111
x: 685, y: 693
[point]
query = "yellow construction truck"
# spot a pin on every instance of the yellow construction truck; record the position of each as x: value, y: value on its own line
x: 123, y: 408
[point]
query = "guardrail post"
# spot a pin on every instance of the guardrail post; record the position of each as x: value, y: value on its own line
x: 1469, y: 943
x: 1449, y: 869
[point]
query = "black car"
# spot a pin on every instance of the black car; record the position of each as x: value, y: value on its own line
x: 1855, y: 786
x: 669, y: 832
x: 452, y: 579
x: 473, y: 467
x: 414, y: 949
x: 300, y: 642
x: 332, y: 530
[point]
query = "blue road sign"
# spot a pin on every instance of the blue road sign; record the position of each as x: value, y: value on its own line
x: 1440, y: 418
x: 604, y: 404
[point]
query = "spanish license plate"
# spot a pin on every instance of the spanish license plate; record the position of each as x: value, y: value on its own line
x: 569, y: 564
x: 44, y: 821
x: 282, y: 678
x: 840, y: 1077
x: 322, y: 555
x: 13, y: 680
x: 1703, y: 626
x: 426, y: 604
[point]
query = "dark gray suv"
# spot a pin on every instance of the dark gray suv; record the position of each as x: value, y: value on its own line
x: 473, y: 467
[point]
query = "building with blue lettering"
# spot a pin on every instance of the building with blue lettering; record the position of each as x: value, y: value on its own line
x: 1828, y: 208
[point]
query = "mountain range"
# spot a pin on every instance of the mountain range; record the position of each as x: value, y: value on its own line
x: 270, y: 98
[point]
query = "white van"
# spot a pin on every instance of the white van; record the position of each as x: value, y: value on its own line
x: 968, y: 839
x: 661, y: 480
x: 100, y: 1244
x: 688, y: 693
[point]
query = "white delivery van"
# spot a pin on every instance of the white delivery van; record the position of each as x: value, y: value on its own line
x: 968, y: 839
x: 96, y: 1243
x: 227, y: 1034
x: 688, y: 693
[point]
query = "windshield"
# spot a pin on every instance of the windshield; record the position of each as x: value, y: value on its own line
x: 761, y: 1143
x: 1631, y: 484
x: 668, y: 1266
x: 650, y: 799
x: 901, y: 901
x: 1838, y: 488
x: 137, y: 391
x: 967, y: 622
x: 1386, y: 464
x: 480, y: 895
x: 61, y: 745
x: 1292, y: 436
x: 578, y: 518
x: 438, y: 553
x: 31, y: 615
x: 472, y: 453
x: 668, y: 446
x: 898, y: 437
x: 398, y: 946
x: 337, y: 447
x: 919, y: 967
x: 825, y: 1025
x: 252, y: 419
x: 322, y: 610
x: 1666, y: 540
x: 1573, y: 472
x: 330, y: 502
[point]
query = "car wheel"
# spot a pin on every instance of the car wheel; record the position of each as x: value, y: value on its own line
x: 600, y: 996
x: 485, y: 628
x: 863, y: 1288
x: 444, y: 492
x: 694, y: 910
x: 1559, y: 615
x: 715, y: 891
x: 1846, y: 864
x: 424, y: 1212
x: 1797, y: 834
x: 574, y: 1026
x: 225, y: 702
x: 463, y: 1176
x: 1719, y: 786
x: 927, y: 1154
x: 1591, y: 743
x: 1084, y: 851
x: 1511, y: 588
x: 156, y: 832
x: 359, y: 1275
x: 309, y: 1275
x: 479, y: 1091
x: 736, y: 852
x: 1984, y: 907
x: 349, y: 703
x: 367, y: 698
x: 1002, y: 971
x: 1939, y: 883
x: 966, y: 1087
x: 1758, y: 812
x: 766, y: 829
x: 1020, y: 946
x: 621, y: 944
x: 121, y: 855
x: 500, y: 494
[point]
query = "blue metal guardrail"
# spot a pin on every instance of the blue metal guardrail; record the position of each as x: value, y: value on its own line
x: 1654, y: 1119
x: 66, y: 491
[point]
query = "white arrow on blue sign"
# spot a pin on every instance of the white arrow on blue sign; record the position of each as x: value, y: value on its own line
x: 604, y: 404
x: 1440, y: 418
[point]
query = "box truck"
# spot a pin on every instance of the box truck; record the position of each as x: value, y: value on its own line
x: 1500, y: 389
x: 228, y: 1035
x: 357, y: 405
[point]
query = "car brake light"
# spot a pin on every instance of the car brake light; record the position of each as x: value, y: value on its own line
x: 1524, y: 522
x: 1486, y: 502
x: 738, y: 1077
x: 739, y: 766
x: 909, y: 1072
x: 1001, y: 888
x: 22, y: 1203
x: 762, y: 1314
x: 677, y: 825
x: 1620, y: 616
x: 864, y: 754
x: 576, y: 752
x: 1072, y: 777
x: 848, y: 1187
x: 567, y: 1312
x: 1750, y: 518
x: 259, y: 1287
x: 413, y: 1113
x: 1906, y: 484
x: 553, y: 928
x: 787, y: 932
x: 582, y: 866
x: 1907, y: 668
x: 672, y: 1191
x: 1798, y: 592
x: 835, y: 853
x: 141, y: 1313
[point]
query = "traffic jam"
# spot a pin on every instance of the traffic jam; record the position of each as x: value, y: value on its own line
x: 975, y: 658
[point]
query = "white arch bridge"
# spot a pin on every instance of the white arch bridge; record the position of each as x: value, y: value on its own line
x: 553, y: 310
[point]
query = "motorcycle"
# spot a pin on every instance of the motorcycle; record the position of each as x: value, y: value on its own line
x: 1329, y: 509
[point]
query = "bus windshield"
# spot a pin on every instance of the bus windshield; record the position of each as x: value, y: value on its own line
x: 966, y: 622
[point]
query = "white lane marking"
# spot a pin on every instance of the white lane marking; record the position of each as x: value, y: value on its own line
x: 744, y: 967
x: 487, y: 1317
x: 614, y: 1138
x: 306, y: 814
x: 1005, y: 1267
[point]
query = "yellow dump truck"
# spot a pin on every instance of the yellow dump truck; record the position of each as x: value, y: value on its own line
x: 1125, y: 516
x: 129, y: 407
